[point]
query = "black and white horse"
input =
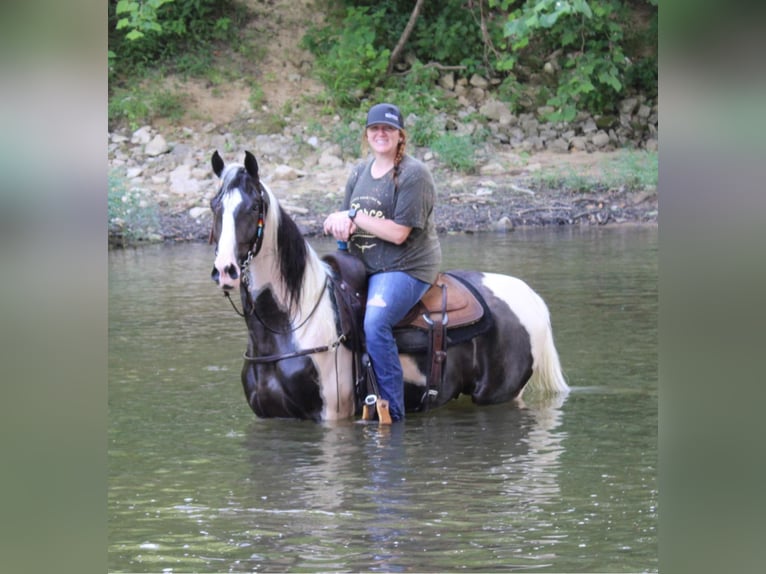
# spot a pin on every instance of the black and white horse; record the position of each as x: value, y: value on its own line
x: 296, y: 364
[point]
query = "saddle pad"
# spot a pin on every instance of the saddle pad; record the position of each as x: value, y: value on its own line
x: 463, y: 308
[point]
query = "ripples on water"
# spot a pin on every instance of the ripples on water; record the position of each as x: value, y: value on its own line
x: 197, y: 483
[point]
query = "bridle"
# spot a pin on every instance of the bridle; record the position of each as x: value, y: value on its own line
x: 244, y: 264
x: 253, y: 250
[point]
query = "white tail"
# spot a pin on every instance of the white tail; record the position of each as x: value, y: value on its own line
x: 547, y: 376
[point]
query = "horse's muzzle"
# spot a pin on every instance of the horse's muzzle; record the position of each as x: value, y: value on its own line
x: 227, y: 280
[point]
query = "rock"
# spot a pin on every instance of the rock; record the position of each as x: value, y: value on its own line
x: 558, y: 145
x: 628, y: 105
x: 497, y: 111
x: 478, y: 82
x: 182, y: 183
x: 286, y: 173
x: 492, y: 169
x: 199, y: 212
x: 578, y: 143
x: 157, y: 146
x: 134, y: 172
x: 447, y: 81
x: 330, y: 160
x: 503, y: 224
x: 543, y: 111
x: 589, y: 126
x: 600, y: 139
x: 142, y: 135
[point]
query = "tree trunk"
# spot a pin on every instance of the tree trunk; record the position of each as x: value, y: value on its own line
x: 397, y: 53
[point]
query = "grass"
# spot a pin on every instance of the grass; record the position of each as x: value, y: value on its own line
x: 139, y: 105
x: 628, y: 169
x: 456, y: 152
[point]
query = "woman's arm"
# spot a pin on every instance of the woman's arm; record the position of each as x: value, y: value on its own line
x: 385, y: 229
x: 340, y: 226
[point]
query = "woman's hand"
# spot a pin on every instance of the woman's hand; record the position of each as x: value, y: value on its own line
x: 339, y: 225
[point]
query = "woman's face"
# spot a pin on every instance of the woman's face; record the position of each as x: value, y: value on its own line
x: 383, y: 138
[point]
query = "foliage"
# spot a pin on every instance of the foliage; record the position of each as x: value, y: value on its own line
x: 583, y: 41
x: 456, y: 151
x: 349, y: 62
x: 589, y: 50
x: 131, y: 217
x: 144, y: 34
x: 139, y: 18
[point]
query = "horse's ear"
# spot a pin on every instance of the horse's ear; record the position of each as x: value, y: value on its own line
x: 251, y: 165
x: 217, y: 163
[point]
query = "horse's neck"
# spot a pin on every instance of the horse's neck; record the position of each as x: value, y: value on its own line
x: 265, y: 274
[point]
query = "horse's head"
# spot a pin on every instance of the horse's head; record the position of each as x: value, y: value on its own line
x: 239, y: 210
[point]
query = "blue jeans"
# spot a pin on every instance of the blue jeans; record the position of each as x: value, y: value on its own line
x: 390, y: 295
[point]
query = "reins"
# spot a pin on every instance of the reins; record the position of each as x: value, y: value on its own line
x: 301, y: 353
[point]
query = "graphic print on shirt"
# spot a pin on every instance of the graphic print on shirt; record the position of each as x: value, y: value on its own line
x: 368, y: 205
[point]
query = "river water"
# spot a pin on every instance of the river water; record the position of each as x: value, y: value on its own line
x: 198, y: 484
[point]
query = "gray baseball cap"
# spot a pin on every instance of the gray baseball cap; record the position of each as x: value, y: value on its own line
x: 387, y: 114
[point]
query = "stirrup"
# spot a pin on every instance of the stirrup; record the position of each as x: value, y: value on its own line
x: 381, y: 409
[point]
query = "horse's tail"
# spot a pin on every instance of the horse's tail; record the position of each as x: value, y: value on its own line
x: 547, y: 376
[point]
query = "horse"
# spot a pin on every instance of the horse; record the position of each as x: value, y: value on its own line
x: 298, y: 363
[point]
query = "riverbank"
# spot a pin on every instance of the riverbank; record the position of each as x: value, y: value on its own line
x: 161, y: 184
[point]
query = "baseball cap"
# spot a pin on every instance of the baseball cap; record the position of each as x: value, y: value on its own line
x: 387, y: 114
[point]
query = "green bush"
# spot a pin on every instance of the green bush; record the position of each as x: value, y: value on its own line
x: 132, y: 219
x: 349, y: 61
x: 150, y: 33
x: 456, y: 151
x: 592, y: 53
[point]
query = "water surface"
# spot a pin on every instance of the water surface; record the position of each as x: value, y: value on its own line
x: 197, y: 483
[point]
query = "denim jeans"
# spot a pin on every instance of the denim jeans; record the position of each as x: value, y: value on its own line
x: 390, y: 296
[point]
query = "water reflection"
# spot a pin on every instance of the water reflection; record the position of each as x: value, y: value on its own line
x: 460, y: 487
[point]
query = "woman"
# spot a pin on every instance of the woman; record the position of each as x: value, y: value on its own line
x: 388, y: 222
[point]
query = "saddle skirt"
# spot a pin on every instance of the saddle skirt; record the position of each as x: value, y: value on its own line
x: 449, y: 300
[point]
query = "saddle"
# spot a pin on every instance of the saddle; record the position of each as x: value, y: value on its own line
x: 450, y: 312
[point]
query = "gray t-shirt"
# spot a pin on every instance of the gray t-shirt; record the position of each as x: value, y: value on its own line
x: 420, y: 254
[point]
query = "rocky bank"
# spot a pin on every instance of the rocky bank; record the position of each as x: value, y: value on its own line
x: 514, y: 184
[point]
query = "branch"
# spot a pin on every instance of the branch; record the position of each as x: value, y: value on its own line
x: 396, y: 54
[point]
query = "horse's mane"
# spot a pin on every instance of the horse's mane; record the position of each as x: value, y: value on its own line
x: 299, y: 266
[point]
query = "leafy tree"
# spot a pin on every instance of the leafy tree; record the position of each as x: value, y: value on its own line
x: 573, y: 53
